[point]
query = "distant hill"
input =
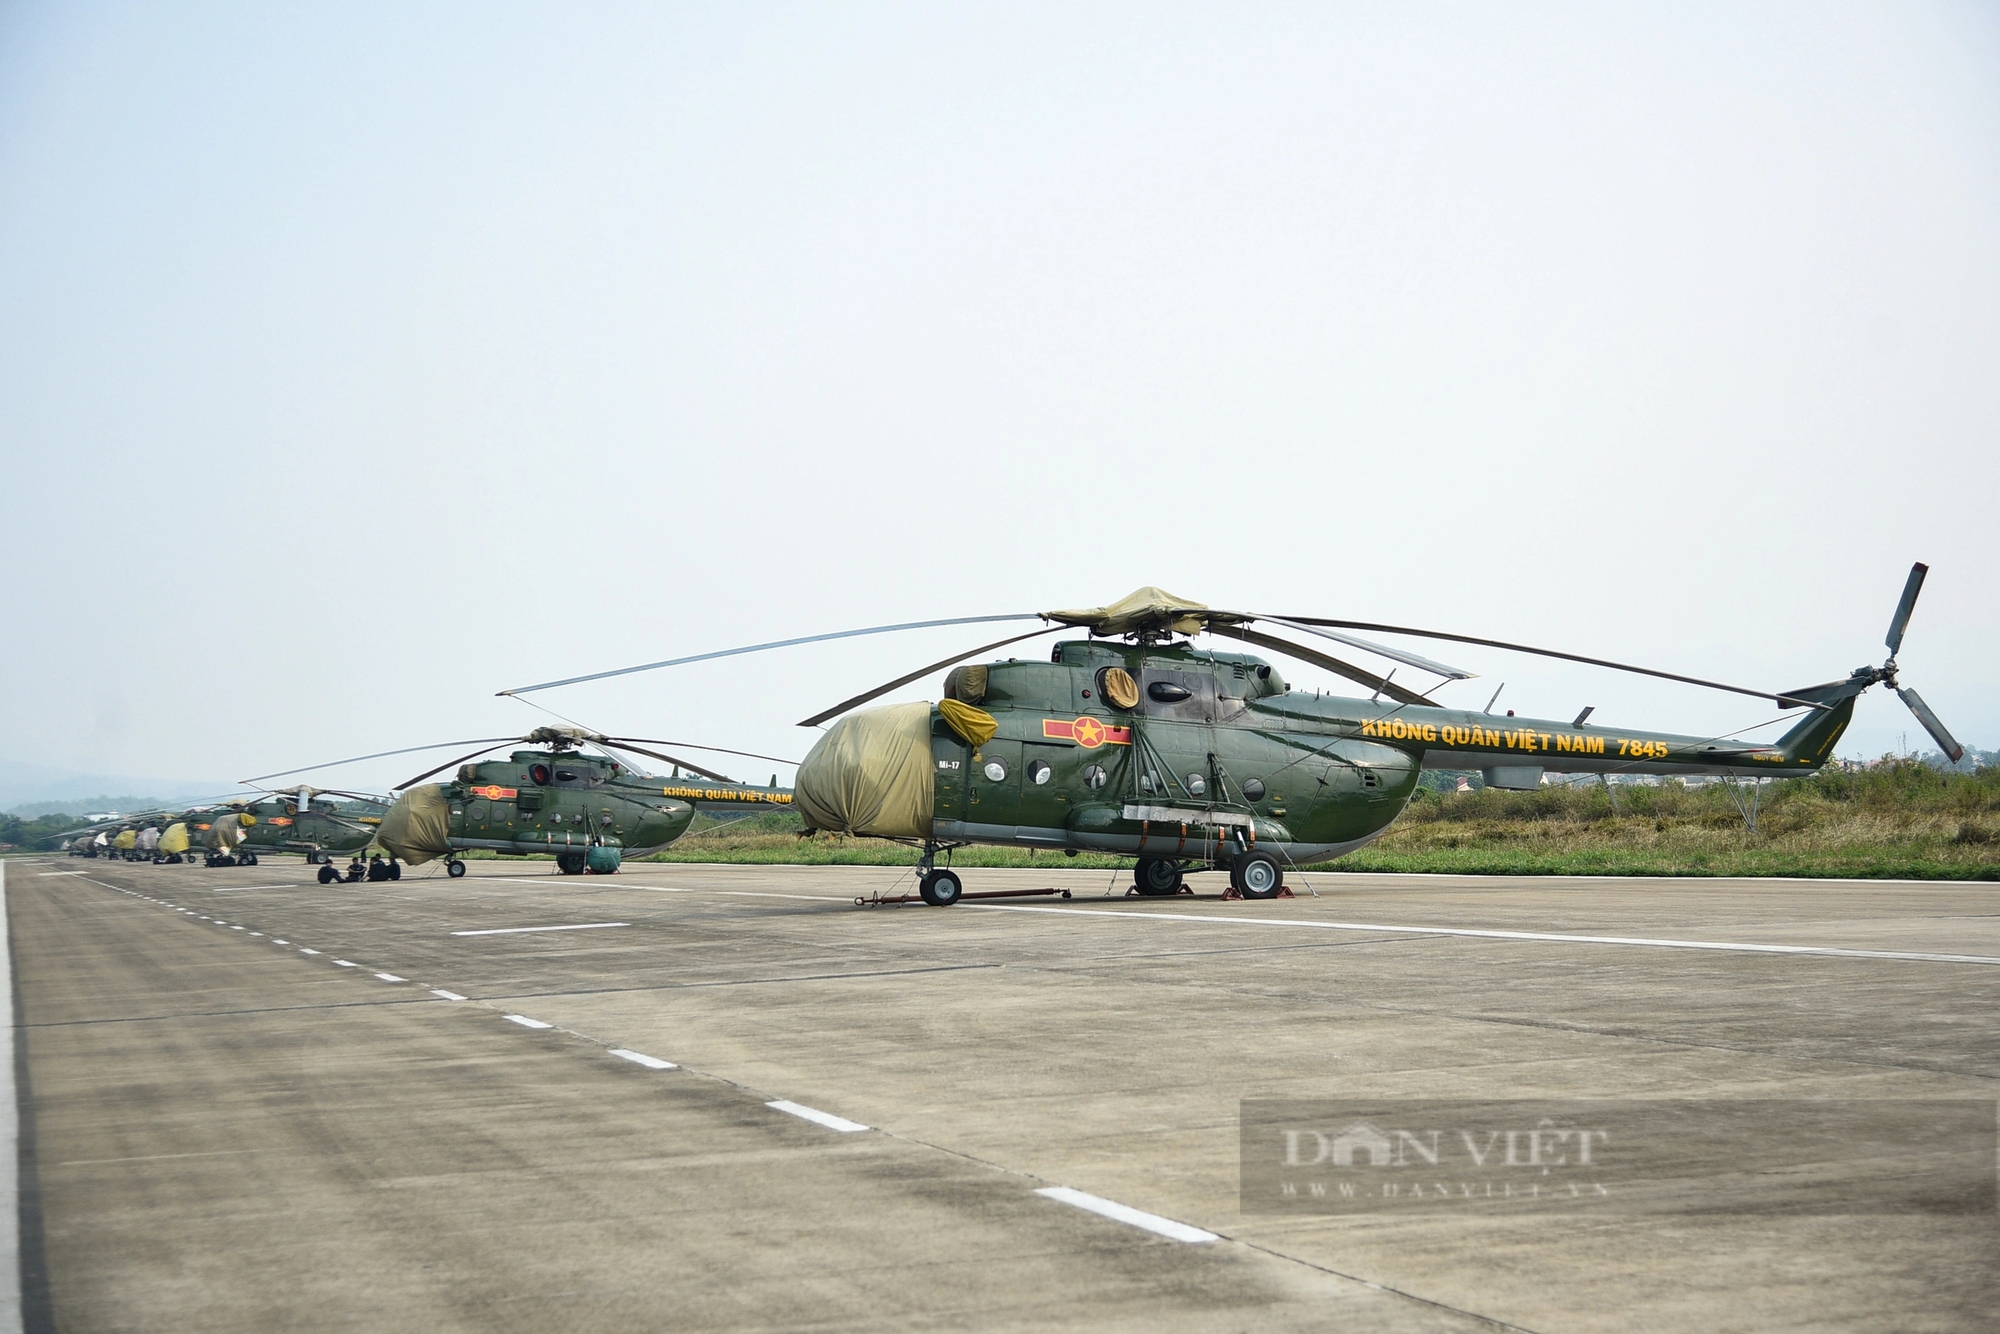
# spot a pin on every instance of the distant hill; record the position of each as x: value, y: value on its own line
x: 29, y: 790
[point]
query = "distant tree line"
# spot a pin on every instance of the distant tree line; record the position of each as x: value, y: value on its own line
x: 16, y: 832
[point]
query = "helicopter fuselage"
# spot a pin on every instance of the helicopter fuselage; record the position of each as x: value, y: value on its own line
x: 1219, y: 755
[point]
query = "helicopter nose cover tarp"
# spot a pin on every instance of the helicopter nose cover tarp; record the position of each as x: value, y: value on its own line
x: 126, y: 841
x: 871, y: 774
x: 1148, y: 606
x: 175, y: 840
x: 227, y: 831
x: 418, y: 827
x: 149, y: 839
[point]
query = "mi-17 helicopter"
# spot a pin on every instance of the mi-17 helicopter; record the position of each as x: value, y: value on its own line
x: 310, y: 820
x: 1134, y: 741
x: 588, y: 811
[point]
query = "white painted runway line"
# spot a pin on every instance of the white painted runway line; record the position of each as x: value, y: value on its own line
x: 1737, y: 947
x: 1125, y: 1213
x: 447, y: 995
x: 391, y: 977
x: 529, y: 930
x: 10, y: 1130
x: 526, y: 1022
x: 46, y: 874
x: 342, y: 963
x: 304, y: 950
x: 245, y: 889
x: 640, y: 1058
x: 817, y: 1117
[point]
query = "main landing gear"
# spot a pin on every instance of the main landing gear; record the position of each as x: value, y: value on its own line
x: 1157, y: 878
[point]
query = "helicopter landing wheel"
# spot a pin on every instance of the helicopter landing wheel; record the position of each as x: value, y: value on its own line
x: 247, y: 859
x: 572, y: 863
x: 940, y: 888
x: 1156, y: 877
x: 454, y: 869
x: 327, y: 875
x: 1257, y: 876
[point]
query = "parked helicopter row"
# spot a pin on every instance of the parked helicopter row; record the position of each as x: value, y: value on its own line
x: 1134, y: 740
x: 589, y: 811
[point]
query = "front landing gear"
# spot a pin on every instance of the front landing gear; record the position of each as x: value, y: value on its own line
x: 1257, y: 875
x: 940, y: 887
x: 454, y: 868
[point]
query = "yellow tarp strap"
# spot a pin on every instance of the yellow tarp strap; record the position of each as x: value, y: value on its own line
x: 977, y: 726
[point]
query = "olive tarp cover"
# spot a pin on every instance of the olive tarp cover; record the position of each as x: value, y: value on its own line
x: 418, y: 827
x: 870, y: 774
x: 175, y: 840
x: 966, y: 683
x: 226, y: 831
x: 1149, y: 606
x: 977, y: 726
x: 1120, y: 688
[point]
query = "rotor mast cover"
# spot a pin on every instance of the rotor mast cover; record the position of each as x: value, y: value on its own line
x: 871, y: 774
x: 1147, y: 611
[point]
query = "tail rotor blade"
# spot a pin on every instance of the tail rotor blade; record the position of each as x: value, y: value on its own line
x: 1946, y: 742
x: 1901, y: 620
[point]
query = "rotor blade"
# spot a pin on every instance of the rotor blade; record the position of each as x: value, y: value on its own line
x: 719, y: 750
x: 505, y: 741
x: 384, y: 754
x: 670, y: 759
x: 776, y: 643
x: 900, y: 681
x: 1946, y: 742
x: 1901, y: 620
x: 1785, y: 700
x: 354, y: 796
x: 1403, y: 656
x: 1318, y: 659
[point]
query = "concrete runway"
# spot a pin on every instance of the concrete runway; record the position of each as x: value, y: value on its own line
x: 250, y: 1102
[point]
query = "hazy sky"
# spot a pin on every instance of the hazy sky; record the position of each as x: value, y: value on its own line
x: 360, y: 361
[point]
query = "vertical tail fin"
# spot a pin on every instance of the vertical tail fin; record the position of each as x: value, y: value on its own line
x: 1812, y: 741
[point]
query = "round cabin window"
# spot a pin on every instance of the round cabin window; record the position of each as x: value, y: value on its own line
x: 1093, y: 776
x: 1196, y: 785
x: 1039, y: 773
x: 1253, y: 789
x: 995, y: 771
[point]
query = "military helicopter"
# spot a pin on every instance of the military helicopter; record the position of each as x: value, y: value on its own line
x: 305, y: 820
x: 589, y: 811
x: 1189, y: 759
